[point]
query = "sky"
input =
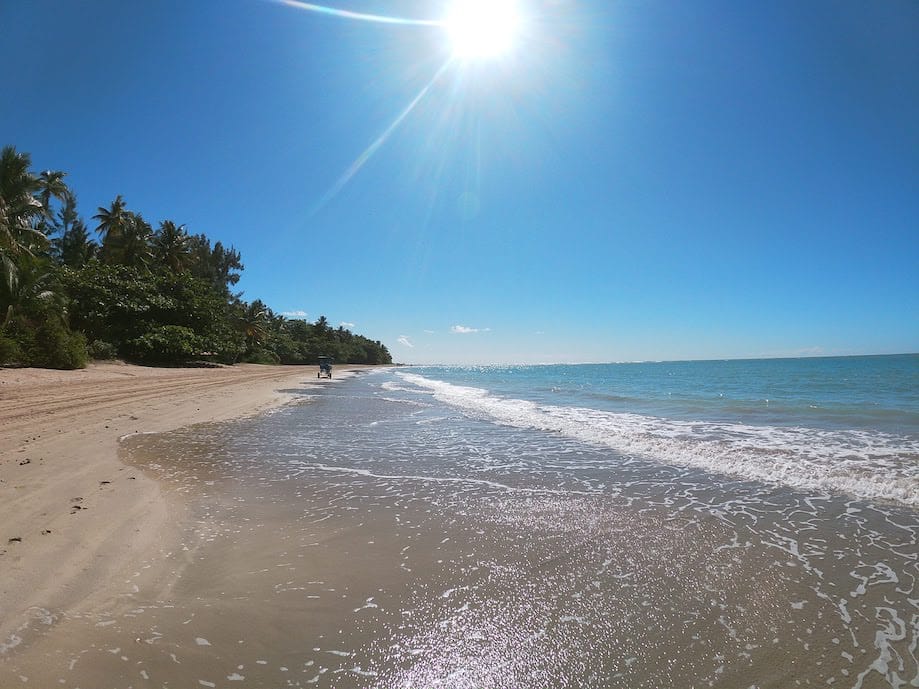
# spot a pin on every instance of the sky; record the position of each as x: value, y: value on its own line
x: 626, y: 181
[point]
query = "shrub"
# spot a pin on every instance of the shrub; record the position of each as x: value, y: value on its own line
x: 102, y: 350
x: 56, y: 347
x: 164, y: 343
x: 9, y: 351
x: 43, y: 340
x: 261, y: 356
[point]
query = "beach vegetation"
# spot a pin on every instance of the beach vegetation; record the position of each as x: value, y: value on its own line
x: 100, y: 350
x: 171, y: 246
x: 72, y: 244
x: 9, y: 349
x: 164, y: 344
x: 20, y: 213
x: 137, y: 309
x: 161, y: 296
x: 42, y: 338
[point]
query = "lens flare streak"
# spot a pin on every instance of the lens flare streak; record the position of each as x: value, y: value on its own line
x: 345, y: 14
x: 382, y: 139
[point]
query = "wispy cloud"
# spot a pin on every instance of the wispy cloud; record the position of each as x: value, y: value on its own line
x: 405, y: 342
x: 430, y: 332
x: 346, y: 324
x: 465, y: 330
x: 294, y: 314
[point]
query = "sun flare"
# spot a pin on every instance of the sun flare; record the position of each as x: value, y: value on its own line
x: 481, y: 29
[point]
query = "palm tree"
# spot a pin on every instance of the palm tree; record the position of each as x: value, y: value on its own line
x: 135, y: 245
x: 112, y: 227
x: 75, y: 248
x: 67, y: 215
x: 277, y: 321
x: 34, y: 284
x: 171, y: 246
x: 226, y: 262
x: 51, y: 185
x: 253, y: 323
x: 19, y: 211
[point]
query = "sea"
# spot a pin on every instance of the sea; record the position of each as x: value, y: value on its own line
x: 737, y: 524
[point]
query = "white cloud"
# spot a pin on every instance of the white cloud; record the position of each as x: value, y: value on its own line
x: 430, y: 332
x: 464, y: 330
x: 345, y: 324
x: 405, y: 342
x: 294, y: 314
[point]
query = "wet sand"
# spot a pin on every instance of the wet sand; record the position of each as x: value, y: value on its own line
x: 74, y: 519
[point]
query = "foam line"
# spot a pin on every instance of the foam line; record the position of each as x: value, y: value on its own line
x: 446, y: 479
x: 866, y: 464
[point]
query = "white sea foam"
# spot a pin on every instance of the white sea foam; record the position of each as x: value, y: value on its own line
x: 437, y: 479
x: 866, y: 464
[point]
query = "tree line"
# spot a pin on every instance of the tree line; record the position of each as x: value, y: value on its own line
x: 125, y: 289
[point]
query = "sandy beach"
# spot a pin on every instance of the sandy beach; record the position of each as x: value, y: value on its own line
x: 72, y: 515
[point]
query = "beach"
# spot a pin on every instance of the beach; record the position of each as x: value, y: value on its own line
x: 485, y: 528
x: 73, y: 515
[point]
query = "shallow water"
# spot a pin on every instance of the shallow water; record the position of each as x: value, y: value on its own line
x: 380, y: 535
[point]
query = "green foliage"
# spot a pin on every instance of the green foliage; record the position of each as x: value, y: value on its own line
x: 164, y: 343
x: 153, y: 296
x: 57, y: 347
x: 77, y: 249
x: 218, y: 266
x: 101, y: 350
x: 130, y: 308
x: 44, y: 340
x: 253, y: 323
x: 109, y: 302
x: 9, y: 351
x: 20, y: 213
x: 171, y: 246
x: 287, y: 349
x: 299, y: 342
x: 261, y: 356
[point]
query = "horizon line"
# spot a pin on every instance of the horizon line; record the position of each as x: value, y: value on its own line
x: 663, y: 361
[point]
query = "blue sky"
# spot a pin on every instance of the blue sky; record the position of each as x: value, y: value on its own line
x: 635, y: 180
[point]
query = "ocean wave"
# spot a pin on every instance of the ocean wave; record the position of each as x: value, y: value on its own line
x: 866, y: 464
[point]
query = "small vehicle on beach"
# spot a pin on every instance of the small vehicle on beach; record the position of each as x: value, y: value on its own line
x: 325, y: 367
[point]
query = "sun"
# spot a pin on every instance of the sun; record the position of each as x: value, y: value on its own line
x: 483, y: 29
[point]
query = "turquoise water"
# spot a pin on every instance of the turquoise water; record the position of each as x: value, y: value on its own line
x: 847, y: 424
x: 875, y: 393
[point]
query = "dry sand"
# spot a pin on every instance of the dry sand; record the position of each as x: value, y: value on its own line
x: 72, y: 515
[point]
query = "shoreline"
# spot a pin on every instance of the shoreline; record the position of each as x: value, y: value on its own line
x: 73, y: 515
x: 364, y: 534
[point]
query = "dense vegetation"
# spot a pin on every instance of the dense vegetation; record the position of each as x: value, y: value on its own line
x: 143, y: 294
